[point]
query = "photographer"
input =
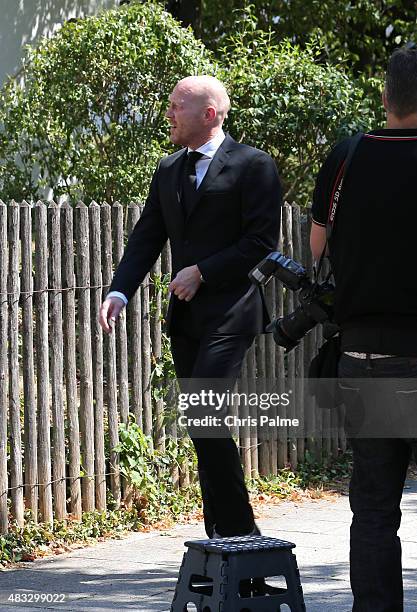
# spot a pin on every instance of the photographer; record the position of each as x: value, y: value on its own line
x: 373, y: 258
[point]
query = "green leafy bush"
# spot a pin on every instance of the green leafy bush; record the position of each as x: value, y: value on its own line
x: 291, y: 106
x: 148, y: 472
x: 361, y: 33
x: 35, y: 539
x: 88, y: 120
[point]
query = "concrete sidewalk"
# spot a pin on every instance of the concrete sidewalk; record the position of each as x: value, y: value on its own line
x: 140, y: 571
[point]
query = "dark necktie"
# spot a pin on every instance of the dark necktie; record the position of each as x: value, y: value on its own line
x: 189, y: 182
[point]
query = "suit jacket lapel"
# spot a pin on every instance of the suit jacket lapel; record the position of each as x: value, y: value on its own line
x: 214, y: 169
x: 174, y: 187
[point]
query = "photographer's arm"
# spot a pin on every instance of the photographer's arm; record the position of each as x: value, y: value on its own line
x: 317, y: 240
x: 322, y: 197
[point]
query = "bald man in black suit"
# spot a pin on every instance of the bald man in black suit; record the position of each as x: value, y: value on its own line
x: 218, y: 202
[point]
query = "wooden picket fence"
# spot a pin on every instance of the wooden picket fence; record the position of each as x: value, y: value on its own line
x: 66, y: 386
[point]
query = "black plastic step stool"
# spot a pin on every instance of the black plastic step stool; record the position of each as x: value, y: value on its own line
x: 225, y: 575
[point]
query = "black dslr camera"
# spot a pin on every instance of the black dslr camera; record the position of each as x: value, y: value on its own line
x: 316, y: 299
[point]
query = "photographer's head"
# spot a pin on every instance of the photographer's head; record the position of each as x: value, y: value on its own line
x: 400, y: 93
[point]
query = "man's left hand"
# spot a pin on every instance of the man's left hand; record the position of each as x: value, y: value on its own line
x: 186, y: 284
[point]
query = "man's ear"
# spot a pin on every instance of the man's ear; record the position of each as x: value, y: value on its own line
x: 210, y: 114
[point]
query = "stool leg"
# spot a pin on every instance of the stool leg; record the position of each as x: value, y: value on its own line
x: 198, y: 567
x: 294, y: 585
x: 176, y: 605
x: 252, y: 566
x: 193, y: 564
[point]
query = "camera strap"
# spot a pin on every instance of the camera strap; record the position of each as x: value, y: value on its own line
x: 336, y: 195
x: 340, y: 179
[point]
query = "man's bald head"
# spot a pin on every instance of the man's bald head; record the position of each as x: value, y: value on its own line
x: 209, y: 91
x: 198, y: 107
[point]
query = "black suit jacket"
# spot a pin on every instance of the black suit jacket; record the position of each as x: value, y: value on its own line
x: 232, y: 225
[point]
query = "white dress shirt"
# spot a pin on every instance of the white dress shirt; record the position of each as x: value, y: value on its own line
x: 208, y: 150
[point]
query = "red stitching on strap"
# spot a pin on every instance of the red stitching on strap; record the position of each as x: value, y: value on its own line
x: 336, y: 184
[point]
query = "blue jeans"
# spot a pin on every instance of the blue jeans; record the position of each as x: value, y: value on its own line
x: 379, y: 471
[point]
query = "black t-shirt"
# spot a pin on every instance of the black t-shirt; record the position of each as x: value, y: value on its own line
x: 373, y: 247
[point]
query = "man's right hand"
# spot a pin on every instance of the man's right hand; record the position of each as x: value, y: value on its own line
x: 109, y: 311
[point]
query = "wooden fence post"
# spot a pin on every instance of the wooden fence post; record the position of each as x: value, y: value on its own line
x: 70, y: 367
x: 271, y: 374
x: 288, y: 308
x: 4, y: 368
x: 97, y: 341
x: 85, y: 355
x: 263, y: 442
x: 29, y: 392
x: 171, y: 429
x: 16, y: 467
x: 299, y: 351
x: 320, y: 449
x: 251, y: 368
x: 156, y: 338
x: 135, y: 335
x: 42, y: 362
x: 146, y: 357
x: 121, y: 332
x: 244, y: 413
x: 309, y: 346
x: 282, y: 459
x: 55, y: 345
x: 110, y: 349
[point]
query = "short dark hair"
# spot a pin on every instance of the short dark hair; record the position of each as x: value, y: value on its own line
x: 401, y: 82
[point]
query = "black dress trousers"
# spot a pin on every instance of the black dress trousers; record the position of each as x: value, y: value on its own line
x: 200, y: 355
